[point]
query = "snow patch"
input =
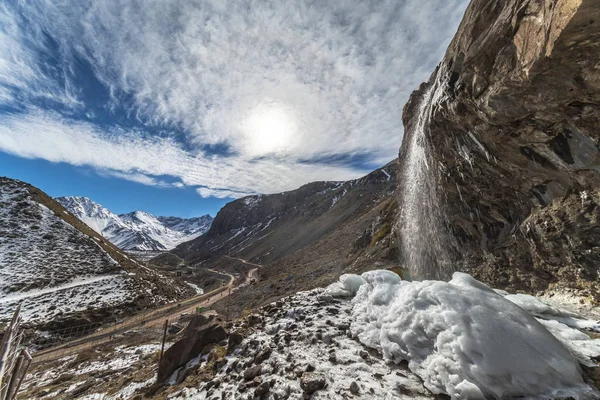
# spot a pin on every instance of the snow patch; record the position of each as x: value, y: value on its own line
x: 197, y: 288
x: 388, y: 176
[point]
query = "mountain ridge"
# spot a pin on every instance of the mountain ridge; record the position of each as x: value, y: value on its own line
x: 62, y: 271
x: 264, y: 228
x: 136, y: 230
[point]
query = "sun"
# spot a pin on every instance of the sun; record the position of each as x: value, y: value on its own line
x: 269, y: 128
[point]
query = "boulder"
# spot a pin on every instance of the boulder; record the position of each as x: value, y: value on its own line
x: 310, y: 382
x: 254, y: 319
x: 252, y: 372
x: 200, y: 332
x: 262, y: 389
x: 235, y: 338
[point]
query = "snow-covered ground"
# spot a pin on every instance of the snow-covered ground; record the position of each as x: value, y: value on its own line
x: 82, y: 378
x: 197, y: 288
x: 137, y: 230
x: 307, y: 338
x: 376, y: 337
x: 48, y: 264
x: 38, y: 306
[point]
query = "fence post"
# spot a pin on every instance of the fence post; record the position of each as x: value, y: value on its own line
x: 14, y: 378
x: 228, y: 301
x: 6, y: 359
x: 25, y: 354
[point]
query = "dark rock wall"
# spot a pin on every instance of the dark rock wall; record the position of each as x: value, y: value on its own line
x: 517, y: 139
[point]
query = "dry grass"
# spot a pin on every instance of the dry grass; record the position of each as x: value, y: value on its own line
x: 381, y: 233
x: 220, y: 351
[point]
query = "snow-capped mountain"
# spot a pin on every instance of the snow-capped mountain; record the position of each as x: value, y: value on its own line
x: 137, y: 230
x: 58, y: 268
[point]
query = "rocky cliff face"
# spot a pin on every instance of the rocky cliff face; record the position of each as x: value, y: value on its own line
x: 514, y: 131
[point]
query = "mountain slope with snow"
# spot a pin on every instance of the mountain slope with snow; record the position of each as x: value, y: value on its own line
x: 59, y: 269
x: 137, y: 230
x: 265, y: 228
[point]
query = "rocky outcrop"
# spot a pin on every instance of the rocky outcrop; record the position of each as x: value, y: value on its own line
x: 200, y: 332
x: 514, y: 130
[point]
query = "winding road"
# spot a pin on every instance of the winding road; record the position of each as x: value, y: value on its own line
x: 153, y: 318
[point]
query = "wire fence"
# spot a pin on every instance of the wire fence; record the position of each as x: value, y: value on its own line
x: 80, y: 345
x: 54, y: 344
x: 80, y: 372
x: 107, y: 350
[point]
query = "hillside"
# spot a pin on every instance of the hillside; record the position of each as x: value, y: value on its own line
x: 265, y: 228
x: 337, y: 343
x: 62, y: 271
x: 138, y: 230
x: 302, y: 238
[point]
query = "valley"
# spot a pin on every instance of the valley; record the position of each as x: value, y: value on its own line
x: 466, y: 268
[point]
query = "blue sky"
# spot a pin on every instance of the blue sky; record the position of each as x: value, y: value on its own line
x: 118, y: 195
x: 178, y: 107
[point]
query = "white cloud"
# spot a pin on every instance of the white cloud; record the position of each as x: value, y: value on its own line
x: 126, y: 155
x: 219, y: 193
x: 221, y: 71
x: 141, y: 178
x: 21, y: 70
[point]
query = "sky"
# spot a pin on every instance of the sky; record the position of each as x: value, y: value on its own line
x: 177, y: 107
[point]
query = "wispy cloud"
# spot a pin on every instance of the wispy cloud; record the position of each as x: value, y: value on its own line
x: 336, y: 73
x: 49, y: 136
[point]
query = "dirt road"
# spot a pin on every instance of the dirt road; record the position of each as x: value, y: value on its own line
x: 152, y: 318
x: 243, y: 261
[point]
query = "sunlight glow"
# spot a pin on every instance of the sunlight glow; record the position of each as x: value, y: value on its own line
x: 268, y: 129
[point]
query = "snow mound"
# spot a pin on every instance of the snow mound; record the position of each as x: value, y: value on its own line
x: 464, y: 339
x: 580, y: 344
x: 535, y: 306
x: 346, y: 287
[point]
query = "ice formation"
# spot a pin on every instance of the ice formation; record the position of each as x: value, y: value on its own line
x: 462, y: 338
x: 347, y: 286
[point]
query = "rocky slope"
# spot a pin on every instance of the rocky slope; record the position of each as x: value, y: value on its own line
x: 138, y: 230
x: 511, y: 119
x: 62, y: 271
x: 313, y: 345
x: 265, y: 228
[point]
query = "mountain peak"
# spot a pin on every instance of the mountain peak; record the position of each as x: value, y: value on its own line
x: 137, y: 230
